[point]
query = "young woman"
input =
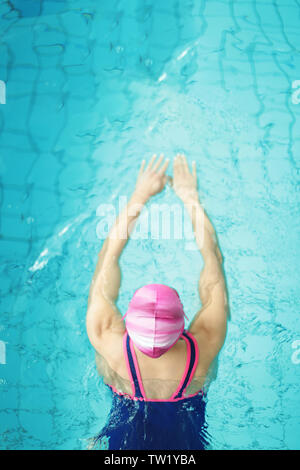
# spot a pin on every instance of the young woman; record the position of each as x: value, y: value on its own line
x: 155, y: 368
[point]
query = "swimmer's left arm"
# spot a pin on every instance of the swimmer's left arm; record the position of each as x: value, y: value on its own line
x: 209, y: 325
x: 103, y: 314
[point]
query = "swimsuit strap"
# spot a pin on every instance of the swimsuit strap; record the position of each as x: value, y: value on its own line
x: 191, y: 364
x: 134, y: 372
x: 132, y: 366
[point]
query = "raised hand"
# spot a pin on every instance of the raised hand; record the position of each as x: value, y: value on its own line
x: 184, y: 180
x: 152, y: 179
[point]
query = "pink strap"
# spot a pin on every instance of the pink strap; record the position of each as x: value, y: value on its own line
x: 137, y: 369
x: 127, y: 363
x: 196, y: 358
x: 188, y: 358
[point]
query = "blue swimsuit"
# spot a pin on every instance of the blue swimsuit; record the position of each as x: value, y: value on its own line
x: 136, y: 423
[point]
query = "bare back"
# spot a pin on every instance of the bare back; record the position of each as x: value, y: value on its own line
x: 160, y: 376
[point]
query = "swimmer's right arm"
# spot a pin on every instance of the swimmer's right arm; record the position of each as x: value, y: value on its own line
x: 210, y: 322
x: 103, y: 316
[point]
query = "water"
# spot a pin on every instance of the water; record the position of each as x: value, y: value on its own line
x: 91, y: 89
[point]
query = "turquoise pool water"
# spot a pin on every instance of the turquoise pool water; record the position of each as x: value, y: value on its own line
x: 87, y: 90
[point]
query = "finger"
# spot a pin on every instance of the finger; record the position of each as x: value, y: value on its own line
x: 185, y: 165
x: 151, y: 162
x: 158, y: 162
x: 194, y: 170
x: 182, y: 163
x: 177, y: 165
x: 164, y: 167
x: 142, y: 167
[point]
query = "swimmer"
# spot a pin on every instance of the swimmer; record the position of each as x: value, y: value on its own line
x: 155, y: 368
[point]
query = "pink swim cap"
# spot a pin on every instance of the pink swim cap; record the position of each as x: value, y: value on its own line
x: 155, y: 319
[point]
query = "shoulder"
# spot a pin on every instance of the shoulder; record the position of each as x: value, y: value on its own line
x: 109, y: 344
x: 208, y: 348
x: 103, y: 322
